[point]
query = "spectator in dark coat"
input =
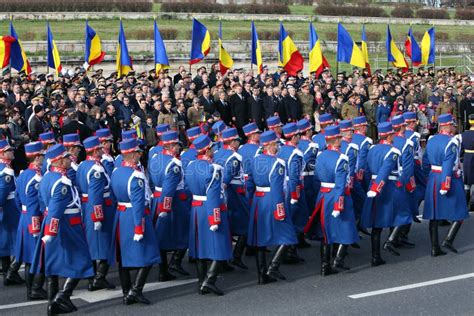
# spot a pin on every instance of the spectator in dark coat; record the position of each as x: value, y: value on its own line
x: 223, y: 107
x: 207, y: 102
x: 268, y: 103
x: 292, y: 105
x: 111, y: 122
x: 255, y: 104
x: 76, y: 126
x: 238, y: 109
x: 35, y: 123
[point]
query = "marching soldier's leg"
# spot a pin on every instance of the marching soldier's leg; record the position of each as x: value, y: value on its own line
x: 435, y: 248
x: 326, y: 268
x: 390, y: 243
x: 12, y: 277
x: 261, y: 259
x: 53, y: 287
x: 292, y: 256
x: 164, y: 273
x: 453, y: 231
x: 6, y: 261
x: 238, y: 252
x: 467, y: 190
x: 339, y: 259
x: 125, y: 282
x: 201, y: 268
x: 136, y: 292
x: 176, y: 262
x: 274, y: 268
x: 209, y: 283
x: 403, y: 240
x: 375, y: 238
x: 90, y: 286
x: 63, y: 298
x: 99, y: 280
x: 37, y: 291
x: 302, y: 243
x: 28, y: 280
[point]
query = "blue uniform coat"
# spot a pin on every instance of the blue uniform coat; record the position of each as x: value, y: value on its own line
x: 9, y: 212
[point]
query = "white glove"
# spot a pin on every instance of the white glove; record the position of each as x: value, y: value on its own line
x: 97, y: 225
x: 443, y: 192
x: 371, y: 194
x: 85, y: 65
x: 335, y: 213
x: 163, y: 214
x: 36, y: 235
x: 137, y: 237
x: 46, y: 239
x: 213, y: 228
x: 293, y: 201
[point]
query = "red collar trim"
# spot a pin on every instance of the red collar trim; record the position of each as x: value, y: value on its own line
x: 445, y: 133
x: 130, y: 165
x: 333, y: 148
x: 92, y: 158
x: 6, y: 162
x: 60, y: 170
x: 205, y: 158
x: 385, y: 142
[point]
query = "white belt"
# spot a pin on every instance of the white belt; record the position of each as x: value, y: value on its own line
x: 106, y: 195
x: 158, y: 189
x: 71, y: 211
x: 327, y: 185
x: 262, y: 189
x: 236, y: 182
x: 23, y: 208
x: 199, y: 197
x: 436, y: 168
x: 11, y: 195
x: 393, y: 178
x: 308, y: 173
x: 125, y: 204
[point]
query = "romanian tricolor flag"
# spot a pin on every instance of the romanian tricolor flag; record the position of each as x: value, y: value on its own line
x: 394, y: 55
x: 317, y: 61
x: 412, y: 49
x: 347, y: 50
x: 365, y: 50
x: 124, y: 62
x: 161, y: 58
x: 5, y: 48
x: 225, y: 61
x: 18, y: 59
x: 428, y: 47
x: 93, y: 53
x: 200, y: 42
x: 256, y: 50
x: 53, y: 54
x: 289, y: 56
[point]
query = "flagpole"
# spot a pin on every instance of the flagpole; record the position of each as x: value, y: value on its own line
x: 10, y: 63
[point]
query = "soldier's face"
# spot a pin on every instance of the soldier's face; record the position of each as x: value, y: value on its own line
x: 7, y: 155
x: 66, y: 162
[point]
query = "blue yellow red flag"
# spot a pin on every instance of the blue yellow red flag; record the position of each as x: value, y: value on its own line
x: 289, y: 56
x: 365, y: 50
x: 161, y: 58
x: 18, y: 59
x: 200, y: 42
x: 123, y: 61
x: 256, y: 50
x: 412, y: 48
x: 93, y: 53
x: 225, y: 60
x: 394, y: 55
x: 428, y: 48
x: 54, y: 61
x: 317, y: 61
x: 347, y: 49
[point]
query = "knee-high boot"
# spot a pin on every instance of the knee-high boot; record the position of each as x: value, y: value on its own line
x: 176, y: 262
x: 302, y: 243
x: 201, y: 269
x: 99, y: 281
x: 339, y: 259
x: 238, y: 252
x: 136, y: 292
x: 63, y: 298
x: 6, y: 261
x: 390, y: 243
x: 37, y: 292
x: 53, y: 287
x: 435, y: 248
x: 261, y: 259
x: 326, y: 268
x: 453, y: 231
x: 403, y: 240
x: 274, y: 268
x: 125, y: 282
x: 209, y: 283
x: 165, y: 275
x: 375, y: 239
x: 12, y: 277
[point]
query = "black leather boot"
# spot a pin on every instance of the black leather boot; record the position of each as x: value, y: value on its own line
x: 326, y: 268
x: 238, y: 252
x: 53, y: 287
x: 250, y: 251
x: 435, y: 248
x: 453, y: 231
x: 468, y: 197
x: 135, y: 294
x: 209, y: 283
x: 6, y: 261
x: 261, y: 259
x: 63, y: 298
x: 274, y: 268
x: 402, y: 239
x: 291, y: 256
x: 302, y: 243
x: 99, y: 281
x: 176, y: 262
x: 338, y: 262
x: 126, y: 283
x: 165, y: 275
x: 201, y: 268
x: 375, y: 239
x: 28, y: 280
x: 390, y: 243
x: 12, y: 277
x: 37, y: 292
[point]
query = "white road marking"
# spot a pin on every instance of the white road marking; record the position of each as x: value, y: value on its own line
x: 104, y: 295
x: 412, y: 286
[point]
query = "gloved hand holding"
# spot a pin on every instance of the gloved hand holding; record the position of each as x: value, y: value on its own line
x: 163, y: 214
x: 36, y: 235
x: 443, y: 192
x: 214, y: 227
x: 137, y: 237
x: 335, y: 213
x: 97, y: 225
x: 293, y: 201
x: 46, y: 239
x: 371, y: 194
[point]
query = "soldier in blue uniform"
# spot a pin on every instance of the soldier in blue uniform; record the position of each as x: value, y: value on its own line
x: 209, y: 234
x: 234, y: 191
x: 48, y: 140
x: 295, y: 195
x: 98, y: 210
x: 249, y: 151
x: 169, y: 216
x: 106, y: 140
x: 134, y: 244
x: 274, y: 124
x: 190, y: 154
x: 9, y: 215
x: 325, y: 120
x: 217, y: 128
x: 63, y: 251
x: 30, y: 220
x: 379, y: 207
x: 310, y: 152
x: 468, y: 163
x: 270, y: 223
x: 130, y: 134
x: 73, y: 146
x: 157, y: 149
x: 444, y: 199
x: 334, y: 206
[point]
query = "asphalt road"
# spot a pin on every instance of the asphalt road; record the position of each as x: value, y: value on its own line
x: 432, y: 286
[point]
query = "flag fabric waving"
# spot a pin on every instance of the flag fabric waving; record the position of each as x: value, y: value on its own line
x: 200, y: 42
x: 53, y: 54
x: 225, y: 61
x: 5, y: 49
x: 412, y: 48
x: 365, y: 50
x: 256, y: 50
x: 428, y: 47
x: 394, y: 55
x: 18, y: 59
x: 123, y: 62
x: 161, y: 58
x: 347, y: 50
x: 317, y: 61
x: 93, y: 52
x: 289, y: 56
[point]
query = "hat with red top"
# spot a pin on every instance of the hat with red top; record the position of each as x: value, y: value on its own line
x: 57, y: 152
x: 229, y: 134
x: 201, y: 143
x: 169, y: 137
x: 332, y: 132
x: 34, y: 149
x: 71, y: 140
x: 47, y: 138
x: 92, y: 143
x: 129, y: 145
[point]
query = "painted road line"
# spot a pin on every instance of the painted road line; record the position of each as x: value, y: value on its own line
x: 412, y: 286
x: 104, y: 295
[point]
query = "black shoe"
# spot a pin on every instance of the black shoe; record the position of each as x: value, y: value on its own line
x: 54, y: 309
x: 176, y: 262
x: 13, y: 278
x: 210, y: 288
x: 209, y: 283
x: 238, y: 263
x: 274, y: 272
x: 64, y: 303
x: 338, y: 263
x: 137, y: 297
x: 449, y: 245
x: 38, y: 294
x: 165, y: 277
x: 416, y: 219
x: 390, y: 247
x: 328, y: 270
x: 377, y: 261
x: 436, y: 252
x: 100, y: 284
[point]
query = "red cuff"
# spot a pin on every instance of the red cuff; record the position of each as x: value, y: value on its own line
x: 294, y: 195
x: 52, y: 228
x: 215, y: 218
x: 377, y: 187
x: 97, y: 214
x: 139, y: 230
x: 446, y: 185
x: 411, y: 186
x: 35, y: 226
x: 339, y: 205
